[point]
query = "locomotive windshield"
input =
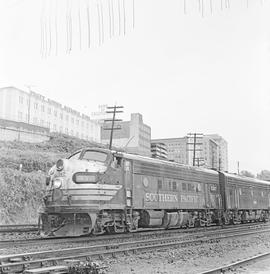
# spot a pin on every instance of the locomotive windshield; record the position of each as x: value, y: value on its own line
x: 90, y: 155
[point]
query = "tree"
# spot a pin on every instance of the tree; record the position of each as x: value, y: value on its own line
x: 247, y: 174
x: 264, y: 175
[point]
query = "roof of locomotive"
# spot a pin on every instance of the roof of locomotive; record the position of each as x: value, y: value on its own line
x: 164, y: 162
x: 246, y: 179
x: 149, y: 159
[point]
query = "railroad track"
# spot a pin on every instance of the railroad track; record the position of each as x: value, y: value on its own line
x: 18, y: 228
x: 235, y: 265
x: 19, y: 262
x: 196, y: 232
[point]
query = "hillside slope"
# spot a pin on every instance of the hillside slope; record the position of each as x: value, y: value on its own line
x: 23, y: 167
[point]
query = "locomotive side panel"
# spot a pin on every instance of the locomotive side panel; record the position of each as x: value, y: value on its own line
x: 150, y: 193
x: 165, y: 187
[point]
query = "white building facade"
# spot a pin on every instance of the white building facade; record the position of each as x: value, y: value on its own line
x: 33, y: 108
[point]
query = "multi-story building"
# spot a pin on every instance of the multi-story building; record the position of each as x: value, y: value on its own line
x: 33, y: 108
x: 209, y: 151
x: 159, y: 150
x: 222, y: 151
x: 134, y: 136
x: 176, y: 149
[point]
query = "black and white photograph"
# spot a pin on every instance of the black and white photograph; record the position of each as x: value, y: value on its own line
x: 134, y: 136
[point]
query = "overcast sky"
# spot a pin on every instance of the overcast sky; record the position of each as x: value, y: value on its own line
x: 184, y: 72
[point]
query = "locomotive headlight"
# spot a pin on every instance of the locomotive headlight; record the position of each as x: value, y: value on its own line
x: 59, y: 165
x: 57, y: 182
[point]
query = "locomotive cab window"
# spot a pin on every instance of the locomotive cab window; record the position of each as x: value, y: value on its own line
x: 117, y: 162
x: 96, y: 156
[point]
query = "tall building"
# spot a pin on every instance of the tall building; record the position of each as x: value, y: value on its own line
x: 210, y: 150
x: 176, y: 149
x: 222, y: 151
x: 159, y: 150
x: 134, y: 136
x: 210, y: 153
x: 33, y: 108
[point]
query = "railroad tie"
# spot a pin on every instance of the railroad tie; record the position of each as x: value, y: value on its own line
x: 50, y: 269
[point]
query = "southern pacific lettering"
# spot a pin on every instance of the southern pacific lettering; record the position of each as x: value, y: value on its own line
x: 160, y: 197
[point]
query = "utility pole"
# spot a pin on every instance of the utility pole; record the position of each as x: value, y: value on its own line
x: 113, y: 110
x: 194, y: 142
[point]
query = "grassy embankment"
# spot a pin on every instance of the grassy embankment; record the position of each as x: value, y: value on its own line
x: 21, y: 191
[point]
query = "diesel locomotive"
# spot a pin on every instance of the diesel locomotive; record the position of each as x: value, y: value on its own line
x: 96, y: 191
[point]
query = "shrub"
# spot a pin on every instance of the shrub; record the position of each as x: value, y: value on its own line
x: 21, y: 195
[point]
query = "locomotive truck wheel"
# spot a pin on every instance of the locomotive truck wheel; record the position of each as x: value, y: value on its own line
x: 197, y: 223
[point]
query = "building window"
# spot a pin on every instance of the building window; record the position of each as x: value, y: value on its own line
x: 21, y: 100
x: 174, y: 185
x: 49, y: 110
x: 35, y: 105
x: 55, y: 113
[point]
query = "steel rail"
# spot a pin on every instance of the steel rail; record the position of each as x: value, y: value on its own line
x: 19, y: 262
x: 235, y: 265
x: 18, y: 228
